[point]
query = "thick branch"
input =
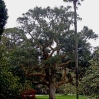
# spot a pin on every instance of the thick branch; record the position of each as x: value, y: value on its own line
x: 51, y: 47
x: 38, y: 74
x: 32, y: 74
x: 64, y: 64
x: 63, y: 56
x: 56, y: 49
x: 64, y: 75
x: 64, y: 82
x: 31, y: 35
x: 66, y: 54
x: 52, y: 53
x: 46, y: 55
x: 40, y: 82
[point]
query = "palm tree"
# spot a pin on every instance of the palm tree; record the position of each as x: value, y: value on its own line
x: 75, y: 2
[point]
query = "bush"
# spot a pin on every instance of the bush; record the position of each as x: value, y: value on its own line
x: 9, y: 84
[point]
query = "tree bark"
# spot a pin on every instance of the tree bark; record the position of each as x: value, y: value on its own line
x: 52, y: 87
x: 52, y: 90
x: 76, y: 46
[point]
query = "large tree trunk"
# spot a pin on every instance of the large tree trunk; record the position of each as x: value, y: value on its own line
x: 52, y: 90
x: 52, y: 87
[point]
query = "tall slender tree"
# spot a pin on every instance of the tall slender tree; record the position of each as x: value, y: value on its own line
x: 3, y: 16
x: 76, y: 40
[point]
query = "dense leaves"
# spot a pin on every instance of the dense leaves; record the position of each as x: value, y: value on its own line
x: 74, y: 1
x: 90, y: 83
x: 3, y: 16
x: 9, y: 84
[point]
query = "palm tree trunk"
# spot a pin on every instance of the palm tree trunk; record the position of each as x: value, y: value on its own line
x: 76, y: 46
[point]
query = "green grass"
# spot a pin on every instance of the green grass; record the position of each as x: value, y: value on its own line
x: 61, y: 97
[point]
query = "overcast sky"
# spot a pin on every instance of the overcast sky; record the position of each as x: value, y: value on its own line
x: 88, y: 11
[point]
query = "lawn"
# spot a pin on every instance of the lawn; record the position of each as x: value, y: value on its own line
x: 61, y: 97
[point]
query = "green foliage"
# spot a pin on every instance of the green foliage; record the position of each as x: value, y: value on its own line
x: 3, y: 16
x: 17, y: 52
x: 53, y: 60
x: 9, y: 84
x: 90, y: 83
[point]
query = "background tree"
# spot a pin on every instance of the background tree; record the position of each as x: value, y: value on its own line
x: 90, y: 82
x: 3, y: 16
x: 3, y: 19
x: 9, y: 83
x: 19, y: 50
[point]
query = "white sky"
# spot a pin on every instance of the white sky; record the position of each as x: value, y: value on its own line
x: 88, y: 11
